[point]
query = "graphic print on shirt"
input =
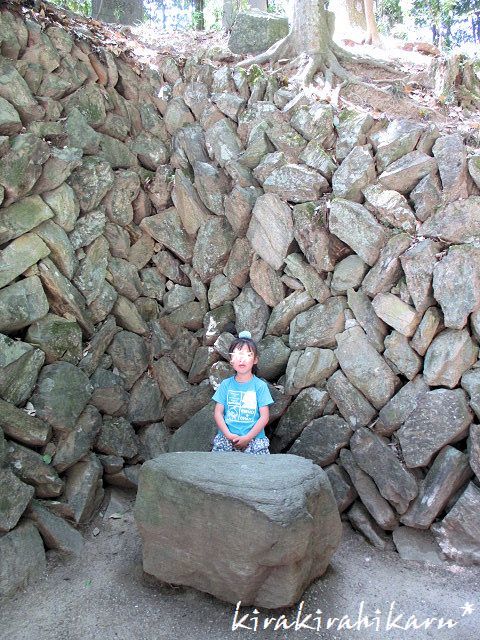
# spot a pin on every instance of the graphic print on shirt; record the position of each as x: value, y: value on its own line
x: 241, y: 406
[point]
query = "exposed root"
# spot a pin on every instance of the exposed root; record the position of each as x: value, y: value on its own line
x: 280, y: 49
x: 354, y: 58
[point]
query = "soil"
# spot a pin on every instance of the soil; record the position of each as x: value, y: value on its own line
x: 105, y: 594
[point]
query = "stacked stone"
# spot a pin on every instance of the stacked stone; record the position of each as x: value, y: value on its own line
x: 148, y: 217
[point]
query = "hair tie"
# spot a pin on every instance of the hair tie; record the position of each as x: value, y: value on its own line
x: 245, y: 334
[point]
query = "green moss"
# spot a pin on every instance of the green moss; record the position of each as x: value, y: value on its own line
x: 254, y: 74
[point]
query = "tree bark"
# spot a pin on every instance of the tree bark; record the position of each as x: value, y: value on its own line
x: 261, y: 5
x: 373, y: 37
x: 230, y: 10
x: 118, y: 11
x: 199, y: 18
x: 310, y: 37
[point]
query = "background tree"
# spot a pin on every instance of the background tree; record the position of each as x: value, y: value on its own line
x: 311, y: 45
x: 119, y: 11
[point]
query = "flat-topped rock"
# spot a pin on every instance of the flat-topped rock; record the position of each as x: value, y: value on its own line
x: 283, y: 507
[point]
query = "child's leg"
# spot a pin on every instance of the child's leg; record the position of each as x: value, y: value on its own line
x: 221, y: 443
x: 258, y: 446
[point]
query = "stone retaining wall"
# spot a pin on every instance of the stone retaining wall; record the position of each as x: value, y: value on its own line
x: 149, y: 215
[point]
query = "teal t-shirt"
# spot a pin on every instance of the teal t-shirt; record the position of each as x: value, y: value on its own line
x: 242, y: 401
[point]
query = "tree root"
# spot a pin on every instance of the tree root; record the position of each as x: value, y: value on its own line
x: 279, y: 50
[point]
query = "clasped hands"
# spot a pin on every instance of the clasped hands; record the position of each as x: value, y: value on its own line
x: 239, y: 442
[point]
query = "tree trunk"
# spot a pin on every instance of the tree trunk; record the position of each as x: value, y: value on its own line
x: 118, y: 11
x: 261, y: 5
x: 373, y: 36
x: 230, y: 9
x: 198, y: 15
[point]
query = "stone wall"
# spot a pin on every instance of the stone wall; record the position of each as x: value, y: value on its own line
x: 150, y: 214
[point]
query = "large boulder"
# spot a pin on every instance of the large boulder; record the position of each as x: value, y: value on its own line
x: 253, y: 32
x: 283, y: 507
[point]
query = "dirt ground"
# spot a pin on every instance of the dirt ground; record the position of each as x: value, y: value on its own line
x: 105, y: 594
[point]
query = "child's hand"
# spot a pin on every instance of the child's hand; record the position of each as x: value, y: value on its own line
x: 232, y: 437
x: 242, y: 442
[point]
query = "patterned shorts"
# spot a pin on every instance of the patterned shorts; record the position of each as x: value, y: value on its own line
x: 257, y: 446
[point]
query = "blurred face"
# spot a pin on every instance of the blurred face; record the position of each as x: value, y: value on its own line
x: 242, y: 359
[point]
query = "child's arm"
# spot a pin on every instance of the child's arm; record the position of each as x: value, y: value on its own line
x: 221, y: 424
x: 262, y: 422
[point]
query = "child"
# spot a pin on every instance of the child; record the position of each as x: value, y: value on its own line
x: 241, y: 412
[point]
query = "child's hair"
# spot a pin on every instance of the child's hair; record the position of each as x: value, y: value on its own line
x: 244, y: 338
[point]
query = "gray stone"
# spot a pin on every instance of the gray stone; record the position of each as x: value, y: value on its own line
x: 426, y: 197
x: 171, y: 380
x: 56, y: 533
x: 426, y: 330
x: 23, y: 558
x: 219, y: 320
x: 88, y: 228
x: 309, y: 404
x: 361, y: 521
x: 318, y: 326
x: 397, y: 410
x: 348, y: 274
x: 458, y: 534
x: 254, y: 32
x: 91, y: 273
x: 322, y: 439
x: 286, y: 140
x: 22, y: 303
x: 197, y: 433
x: 214, y: 243
x: 21, y: 165
x: 19, y: 255
x: 474, y: 449
x: 352, y: 128
x: 451, y: 156
x: 309, y: 368
x: 77, y: 443
x: 368, y: 492
x: 186, y: 404
x: 471, y: 383
x: 352, y: 405
x: 457, y: 222
x: 456, y: 283
x: 238, y: 207
x: 364, y: 367
x: 10, y: 122
x: 387, y: 271
x: 356, y: 172
x: 314, y: 122
x: 343, y: 490
x: 418, y: 263
x: 61, y: 251
x: 222, y: 142
x: 146, y: 401
x: 358, y: 228
x: 404, y: 174
x: 315, y: 157
x: 31, y: 468
x: 268, y: 164
x: 296, y: 267
x: 449, y: 472
x: 176, y: 116
x: 63, y: 202
x: 419, y: 546
x: 192, y: 211
x: 61, y: 395
x: 273, y: 356
x: 80, y: 133
x: 103, y: 303
x: 320, y: 248
x: 109, y: 395
x: 375, y: 329
x: 166, y: 227
x: 129, y: 355
x: 397, y: 139
x: 271, y: 229
x: 58, y: 168
x: 117, y: 437
x: 400, y: 356
x: 153, y: 440
x: 64, y: 298
x: 118, y: 201
x: 22, y: 216
x: 451, y: 353
x: 251, y: 313
x: 474, y: 169
x: 448, y: 411
x: 15, y: 496
x: 390, y: 207
x: 91, y: 182
x: 90, y: 102
x: 266, y: 282
x: 21, y: 426
x: 284, y: 313
x: 59, y: 338
x: 395, y: 483
x: 294, y: 475
x: 83, y: 488
x: 221, y: 290
x: 211, y: 184
x: 396, y: 313
x: 296, y: 183
x: 20, y: 365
